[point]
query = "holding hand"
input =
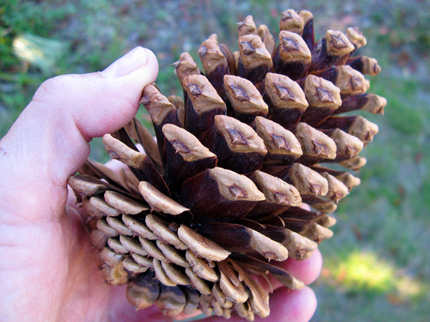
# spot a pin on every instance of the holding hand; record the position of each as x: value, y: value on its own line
x: 47, y: 268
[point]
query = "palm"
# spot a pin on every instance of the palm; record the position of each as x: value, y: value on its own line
x: 57, y: 267
x: 87, y: 293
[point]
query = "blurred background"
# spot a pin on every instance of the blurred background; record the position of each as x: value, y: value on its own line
x: 377, y: 267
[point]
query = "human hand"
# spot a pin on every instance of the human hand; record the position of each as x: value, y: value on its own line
x: 47, y: 268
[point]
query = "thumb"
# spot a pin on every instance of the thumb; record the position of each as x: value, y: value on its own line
x: 49, y: 141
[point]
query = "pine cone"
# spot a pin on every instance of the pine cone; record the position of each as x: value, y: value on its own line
x: 218, y: 195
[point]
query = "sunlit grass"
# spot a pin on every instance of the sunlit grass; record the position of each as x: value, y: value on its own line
x: 364, y: 271
x: 368, y: 272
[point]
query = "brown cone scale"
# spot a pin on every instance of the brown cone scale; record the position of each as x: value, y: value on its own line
x: 216, y: 198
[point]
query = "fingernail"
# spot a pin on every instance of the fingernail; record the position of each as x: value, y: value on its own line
x: 128, y: 63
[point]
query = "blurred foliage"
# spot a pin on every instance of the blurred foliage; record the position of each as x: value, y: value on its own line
x: 19, y: 79
x: 363, y: 272
x: 377, y: 265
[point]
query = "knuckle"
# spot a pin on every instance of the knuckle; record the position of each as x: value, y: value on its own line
x: 51, y: 88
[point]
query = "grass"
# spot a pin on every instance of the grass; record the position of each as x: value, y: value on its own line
x: 377, y: 267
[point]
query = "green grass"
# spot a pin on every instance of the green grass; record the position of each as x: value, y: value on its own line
x: 377, y: 265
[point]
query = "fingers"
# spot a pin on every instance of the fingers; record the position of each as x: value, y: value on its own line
x: 285, y: 305
x: 117, y: 166
x: 67, y: 111
x: 50, y: 138
x: 100, y: 102
x: 308, y: 270
x: 297, y: 306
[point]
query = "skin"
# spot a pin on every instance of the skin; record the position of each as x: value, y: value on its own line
x: 47, y: 267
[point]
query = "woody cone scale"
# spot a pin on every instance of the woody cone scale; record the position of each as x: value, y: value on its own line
x: 217, y: 197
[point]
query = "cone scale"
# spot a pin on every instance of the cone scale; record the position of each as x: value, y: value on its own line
x: 218, y: 195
